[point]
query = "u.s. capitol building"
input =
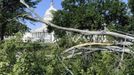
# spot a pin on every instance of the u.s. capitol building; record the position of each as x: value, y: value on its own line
x: 41, y: 34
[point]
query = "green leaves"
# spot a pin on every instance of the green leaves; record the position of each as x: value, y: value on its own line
x: 131, y: 6
x: 11, y: 18
x: 19, y: 58
x: 91, y: 15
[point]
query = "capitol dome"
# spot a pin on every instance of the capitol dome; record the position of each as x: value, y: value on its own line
x: 48, y: 14
x: 47, y: 17
x: 41, y: 34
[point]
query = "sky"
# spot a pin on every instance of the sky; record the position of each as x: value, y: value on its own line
x: 42, y: 7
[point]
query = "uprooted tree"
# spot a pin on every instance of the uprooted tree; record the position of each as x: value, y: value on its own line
x: 96, y: 14
x: 74, y: 54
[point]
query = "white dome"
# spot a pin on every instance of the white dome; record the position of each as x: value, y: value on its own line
x: 48, y: 15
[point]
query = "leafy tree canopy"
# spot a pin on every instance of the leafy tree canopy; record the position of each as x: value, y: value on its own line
x: 131, y: 5
x: 92, y: 14
x: 11, y: 16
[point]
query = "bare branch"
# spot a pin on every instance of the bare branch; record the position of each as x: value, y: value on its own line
x: 24, y: 3
x: 122, y: 56
x: 65, y: 66
x: 87, y: 44
x: 107, y: 48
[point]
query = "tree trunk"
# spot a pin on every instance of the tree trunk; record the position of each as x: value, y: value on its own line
x: 2, y: 31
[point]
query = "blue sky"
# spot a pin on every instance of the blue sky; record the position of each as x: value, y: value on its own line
x: 43, y: 6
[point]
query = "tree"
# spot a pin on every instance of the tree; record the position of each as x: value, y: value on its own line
x: 131, y: 11
x: 91, y: 15
x: 37, y: 58
x: 19, y: 58
x: 131, y: 6
x: 11, y: 16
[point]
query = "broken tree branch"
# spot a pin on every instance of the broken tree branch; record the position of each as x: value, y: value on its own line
x: 87, y: 44
x: 90, y: 50
x: 85, y: 32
